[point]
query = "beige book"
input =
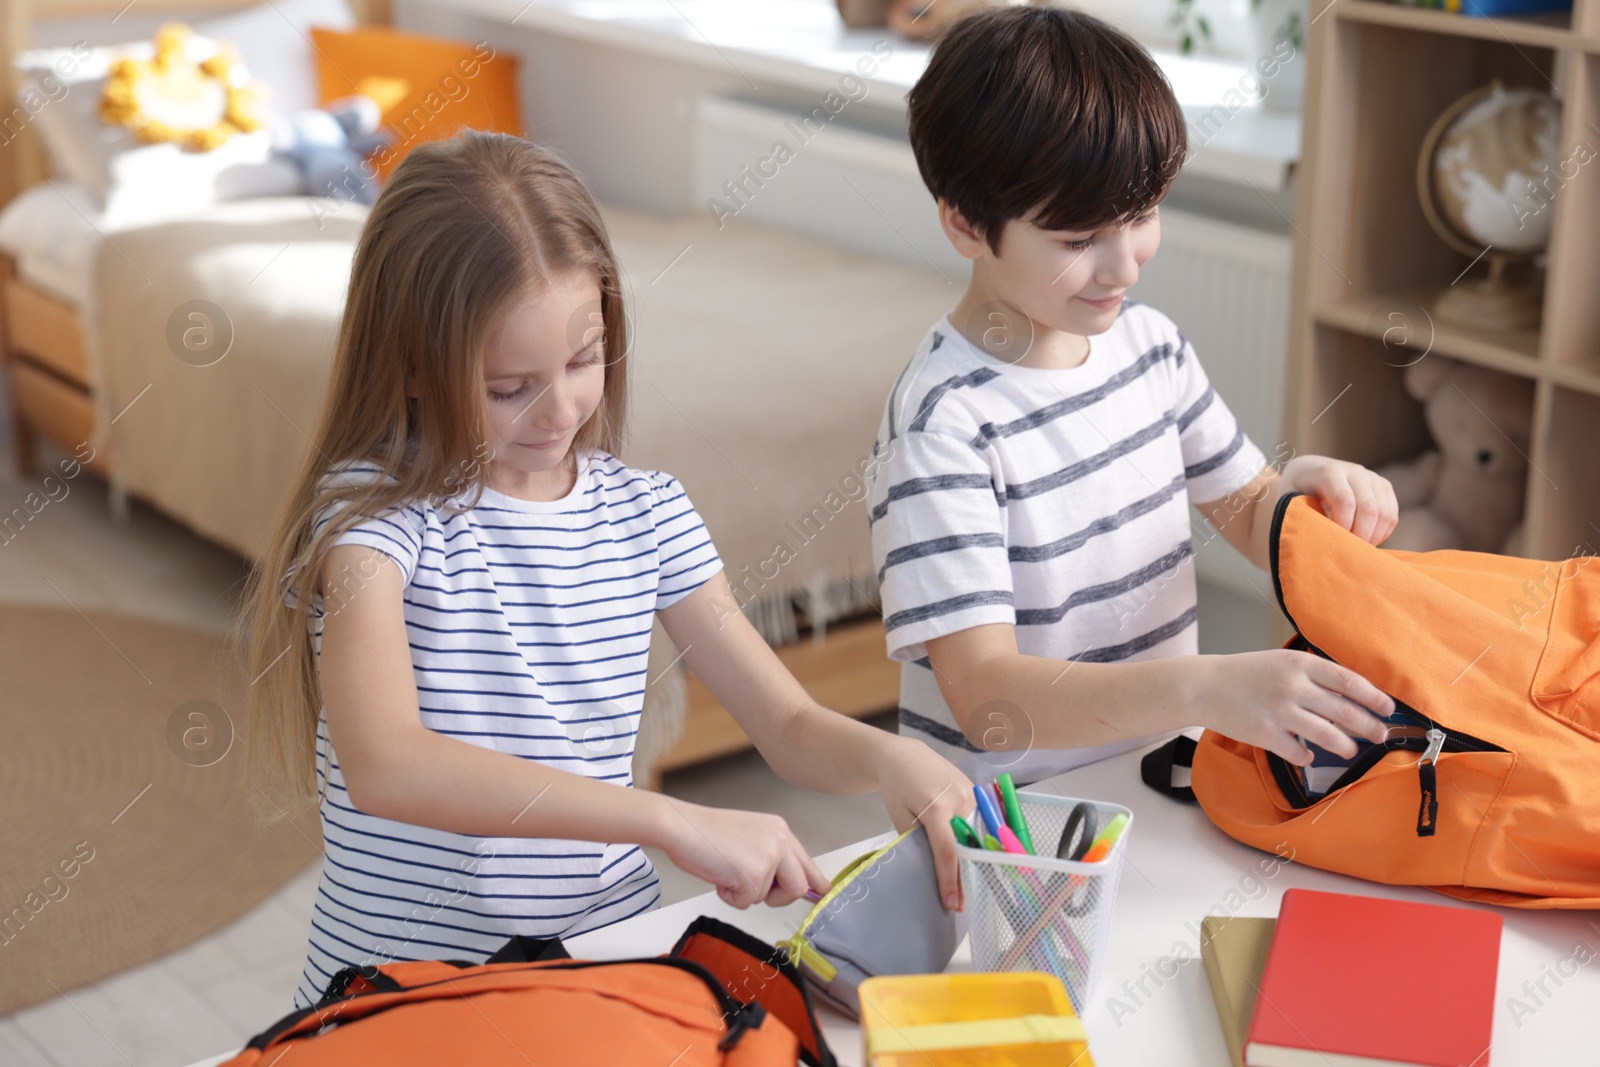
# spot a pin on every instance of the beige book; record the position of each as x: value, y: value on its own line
x: 1234, y: 949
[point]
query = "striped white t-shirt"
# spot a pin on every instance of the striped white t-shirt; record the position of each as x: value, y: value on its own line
x: 1054, y: 501
x: 529, y: 624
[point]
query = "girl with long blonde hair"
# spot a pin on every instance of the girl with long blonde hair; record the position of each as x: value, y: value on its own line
x: 450, y: 632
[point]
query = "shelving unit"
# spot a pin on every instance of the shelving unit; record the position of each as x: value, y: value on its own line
x: 1378, y: 75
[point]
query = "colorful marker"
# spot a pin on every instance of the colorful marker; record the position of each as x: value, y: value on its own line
x: 988, y: 810
x: 811, y: 894
x: 965, y: 834
x: 1013, y: 809
x: 1106, y: 840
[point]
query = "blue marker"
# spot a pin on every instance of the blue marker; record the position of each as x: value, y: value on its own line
x: 988, y: 809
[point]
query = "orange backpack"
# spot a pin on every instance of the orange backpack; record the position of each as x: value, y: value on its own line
x: 1494, y: 794
x: 720, y: 997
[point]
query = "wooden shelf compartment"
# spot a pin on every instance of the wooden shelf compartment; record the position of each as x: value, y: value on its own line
x: 1358, y: 409
x: 1354, y: 404
x: 1399, y: 326
x: 1550, y: 29
x: 1572, y: 311
x: 1381, y: 86
x: 1566, y: 486
x: 1405, y: 324
x: 1378, y: 77
x: 1577, y: 378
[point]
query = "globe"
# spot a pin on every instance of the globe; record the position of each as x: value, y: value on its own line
x: 1487, y: 175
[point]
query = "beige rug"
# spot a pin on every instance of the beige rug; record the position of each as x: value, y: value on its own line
x: 126, y: 829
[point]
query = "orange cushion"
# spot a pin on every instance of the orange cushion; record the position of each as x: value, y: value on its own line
x: 427, y: 88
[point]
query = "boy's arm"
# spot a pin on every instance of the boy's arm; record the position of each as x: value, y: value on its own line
x: 1218, y: 455
x: 1006, y: 701
x: 1350, y: 494
x: 807, y: 744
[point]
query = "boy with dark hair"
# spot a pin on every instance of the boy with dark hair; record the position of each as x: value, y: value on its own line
x: 1038, y: 455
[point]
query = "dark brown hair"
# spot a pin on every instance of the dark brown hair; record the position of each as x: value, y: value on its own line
x: 1046, y: 115
x: 462, y: 229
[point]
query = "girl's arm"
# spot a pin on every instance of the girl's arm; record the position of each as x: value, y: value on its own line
x: 396, y: 768
x: 807, y: 744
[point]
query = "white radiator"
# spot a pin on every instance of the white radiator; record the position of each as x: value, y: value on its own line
x: 842, y: 179
x: 1227, y: 288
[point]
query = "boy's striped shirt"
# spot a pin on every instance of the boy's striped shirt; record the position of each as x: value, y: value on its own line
x: 1054, y: 501
x: 529, y: 626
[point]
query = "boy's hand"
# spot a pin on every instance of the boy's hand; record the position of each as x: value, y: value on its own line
x: 749, y: 856
x: 1352, y: 496
x: 1267, y: 698
x: 921, y: 786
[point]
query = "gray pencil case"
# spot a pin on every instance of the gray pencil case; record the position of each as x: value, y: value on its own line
x: 882, y: 916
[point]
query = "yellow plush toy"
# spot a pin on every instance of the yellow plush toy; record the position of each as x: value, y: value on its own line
x: 171, y: 98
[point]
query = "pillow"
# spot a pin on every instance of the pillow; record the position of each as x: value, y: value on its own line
x: 53, y: 85
x: 131, y: 182
x: 272, y: 41
x: 426, y: 87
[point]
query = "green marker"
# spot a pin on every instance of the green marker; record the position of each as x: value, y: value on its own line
x: 964, y: 833
x: 1019, y: 825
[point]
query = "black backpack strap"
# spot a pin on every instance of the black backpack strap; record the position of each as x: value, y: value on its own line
x: 1156, y: 767
x: 350, y: 981
x: 524, y: 949
x: 752, y: 970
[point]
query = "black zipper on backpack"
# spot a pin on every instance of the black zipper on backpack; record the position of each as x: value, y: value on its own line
x: 1426, y: 737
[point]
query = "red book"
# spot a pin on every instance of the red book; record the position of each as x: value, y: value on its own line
x: 1361, y: 981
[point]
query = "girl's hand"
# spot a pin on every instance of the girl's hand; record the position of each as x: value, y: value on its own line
x: 749, y: 856
x: 1352, y: 496
x: 920, y: 786
x: 1274, y: 698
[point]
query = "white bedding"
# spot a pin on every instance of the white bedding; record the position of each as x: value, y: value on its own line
x: 52, y: 230
x: 762, y: 360
x: 760, y: 363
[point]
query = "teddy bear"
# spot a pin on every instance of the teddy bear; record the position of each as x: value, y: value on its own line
x: 1467, y: 491
x: 329, y: 145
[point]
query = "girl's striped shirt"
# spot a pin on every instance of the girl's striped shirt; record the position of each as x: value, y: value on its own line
x: 1052, y: 501
x: 529, y: 624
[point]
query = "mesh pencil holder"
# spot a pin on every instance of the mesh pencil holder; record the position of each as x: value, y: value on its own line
x: 1038, y: 913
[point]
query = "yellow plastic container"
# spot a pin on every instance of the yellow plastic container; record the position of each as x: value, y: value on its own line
x: 1016, y: 1019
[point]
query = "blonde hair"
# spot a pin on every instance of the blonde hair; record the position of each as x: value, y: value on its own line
x: 462, y: 228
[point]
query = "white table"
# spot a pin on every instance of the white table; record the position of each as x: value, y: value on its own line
x: 1180, y: 868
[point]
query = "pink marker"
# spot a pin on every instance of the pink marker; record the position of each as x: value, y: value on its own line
x: 811, y: 894
x: 1009, y: 842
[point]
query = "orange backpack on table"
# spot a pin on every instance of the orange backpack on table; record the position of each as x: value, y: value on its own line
x: 720, y: 997
x: 1493, y: 794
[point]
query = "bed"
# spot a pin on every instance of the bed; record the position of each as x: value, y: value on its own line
x: 760, y: 366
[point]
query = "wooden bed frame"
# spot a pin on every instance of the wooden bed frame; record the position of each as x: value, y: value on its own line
x: 43, y: 346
